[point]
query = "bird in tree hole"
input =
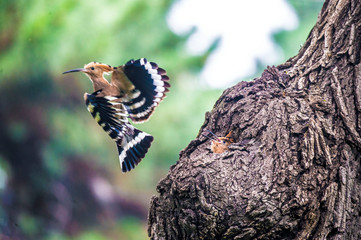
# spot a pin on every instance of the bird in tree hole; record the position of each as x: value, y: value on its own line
x: 135, y: 90
x: 219, y: 144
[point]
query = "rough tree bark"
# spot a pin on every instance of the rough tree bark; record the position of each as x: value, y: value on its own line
x: 294, y: 169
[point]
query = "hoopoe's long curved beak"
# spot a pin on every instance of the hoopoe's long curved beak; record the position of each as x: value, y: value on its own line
x: 75, y: 70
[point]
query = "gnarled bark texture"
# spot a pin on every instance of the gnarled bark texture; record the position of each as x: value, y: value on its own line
x: 294, y: 169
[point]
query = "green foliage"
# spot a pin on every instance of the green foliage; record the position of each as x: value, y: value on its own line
x: 28, y: 224
x: 132, y: 229
x: 86, y: 235
x: 129, y: 228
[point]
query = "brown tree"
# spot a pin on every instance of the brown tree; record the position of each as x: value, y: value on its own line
x: 293, y: 171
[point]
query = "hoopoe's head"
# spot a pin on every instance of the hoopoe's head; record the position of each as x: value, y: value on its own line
x: 93, y: 69
x: 219, y: 144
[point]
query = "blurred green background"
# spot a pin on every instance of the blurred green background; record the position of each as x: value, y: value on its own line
x: 59, y: 172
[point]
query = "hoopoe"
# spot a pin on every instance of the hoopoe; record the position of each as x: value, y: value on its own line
x: 135, y: 90
x: 219, y: 144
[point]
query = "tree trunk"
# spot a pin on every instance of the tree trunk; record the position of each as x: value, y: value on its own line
x: 293, y: 171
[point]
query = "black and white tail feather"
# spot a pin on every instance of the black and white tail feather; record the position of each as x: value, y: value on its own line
x: 151, y: 85
x: 112, y: 116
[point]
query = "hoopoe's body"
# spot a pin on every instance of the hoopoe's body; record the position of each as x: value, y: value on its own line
x: 135, y: 90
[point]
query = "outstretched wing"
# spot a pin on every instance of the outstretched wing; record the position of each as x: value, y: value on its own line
x: 150, y: 85
x: 111, y: 115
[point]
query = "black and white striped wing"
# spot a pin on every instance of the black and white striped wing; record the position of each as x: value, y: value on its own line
x: 111, y: 115
x: 151, y: 84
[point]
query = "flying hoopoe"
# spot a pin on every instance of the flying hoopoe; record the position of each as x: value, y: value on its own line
x: 135, y: 90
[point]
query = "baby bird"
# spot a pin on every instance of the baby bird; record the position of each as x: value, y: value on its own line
x: 219, y: 144
x: 135, y: 90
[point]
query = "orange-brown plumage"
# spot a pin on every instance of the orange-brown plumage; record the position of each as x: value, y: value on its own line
x: 220, y: 144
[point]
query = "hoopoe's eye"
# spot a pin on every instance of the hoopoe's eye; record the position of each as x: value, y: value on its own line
x: 92, y: 68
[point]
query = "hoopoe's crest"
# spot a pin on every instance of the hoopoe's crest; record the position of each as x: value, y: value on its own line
x: 134, y: 92
x: 219, y: 144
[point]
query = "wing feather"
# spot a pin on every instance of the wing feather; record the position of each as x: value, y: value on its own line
x: 150, y: 87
